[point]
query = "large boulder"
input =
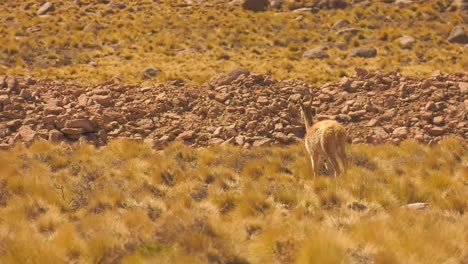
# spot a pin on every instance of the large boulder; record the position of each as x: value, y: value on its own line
x: 316, y: 53
x: 458, y: 35
x: 333, y: 4
x: 46, y: 7
x: 364, y: 52
x: 227, y: 78
x: 256, y: 5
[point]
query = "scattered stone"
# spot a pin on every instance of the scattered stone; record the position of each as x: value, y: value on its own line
x: 333, y: 4
x: 256, y: 5
x: 364, y: 52
x: 117, y: 5
x: 276, y: 4
x: 84, y: 124
x: 262, y: 142
x: 417, y: 206
x: 72, y: 131
x: 248, y: 109
x: 316, y: 53
x: 435, y: 131
x: 438, y: 120
x: 226, y: 79
x: 352, y: 31
x: 96, y: 27
x: 27, y: 133
x: 55, y: 136
x: 150, y: 72
x: 458, y: 35
x: 340, y: 24
x: 46, y: 7
x: 12, y: 84
x: 401, y: 132
x: 406, y: 42
x: 187, y: 135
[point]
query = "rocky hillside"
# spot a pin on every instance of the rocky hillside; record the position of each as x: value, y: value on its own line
x: 240, y: 107
x: 316, y: 41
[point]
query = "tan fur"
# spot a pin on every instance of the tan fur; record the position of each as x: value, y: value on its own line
x: 325, y: 139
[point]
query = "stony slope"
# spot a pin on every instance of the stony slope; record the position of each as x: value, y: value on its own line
x: 240, y: 107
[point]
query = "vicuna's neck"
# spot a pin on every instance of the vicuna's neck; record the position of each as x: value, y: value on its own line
x: 308, y: 119
x: 307, y: 115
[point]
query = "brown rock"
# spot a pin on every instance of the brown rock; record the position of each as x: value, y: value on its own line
x: 263, y: 100
x: 463, y: 86
x: 256, y: 5
x: 316, y: 53
x: 226, y: 79
x: 189, y: 134
x: 295, y: 97
x: 357, y: 115
x: 12, y: 84
x: 215, y: 141
x: 435, y: 131
x: 55, y: 136
x: 222, y: 97
x: 380, y: 133
x: 373, y: 122
x: 262, y: 142
x: 406, y: 42
x: 53, y: 110
x: 102, y: 99
x: 46, y: 7
x: 96, y: 27
x: 84, y: 124
x: 50, y: 119
x: 458, y: 35
x: 82, y: 100
x: 239, y: 140
x: 426, y: 115
x: 438, y: 120
x: 340, y: 24
x: 5, y: 99
x: 401, y: 132
x: 27, y: 133
x: 72, y: 131
x: 14, y: 124
x: 333, y: 4
x: 281, y: 137
x: 361, y: 73
x: 431, y: 106
x: 364, y: 52
x: 3, y: 83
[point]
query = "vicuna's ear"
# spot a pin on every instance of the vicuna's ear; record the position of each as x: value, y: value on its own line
x: 301, y: 104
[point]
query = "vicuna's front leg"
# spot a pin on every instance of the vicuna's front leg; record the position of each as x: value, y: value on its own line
x: 314, y: 159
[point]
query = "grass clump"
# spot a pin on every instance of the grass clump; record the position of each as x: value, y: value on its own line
x: 126, y: 202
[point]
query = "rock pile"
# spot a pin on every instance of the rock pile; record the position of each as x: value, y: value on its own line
x: 240, y: 107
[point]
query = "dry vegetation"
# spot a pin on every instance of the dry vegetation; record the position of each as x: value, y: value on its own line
x: 95, y: 41
x: 126, y: 202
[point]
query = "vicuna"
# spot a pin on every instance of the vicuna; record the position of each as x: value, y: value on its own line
x: 324, y: 139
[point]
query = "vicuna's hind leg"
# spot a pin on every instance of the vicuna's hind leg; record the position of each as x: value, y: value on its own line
x: 331, y: 153
x: 342, y: 156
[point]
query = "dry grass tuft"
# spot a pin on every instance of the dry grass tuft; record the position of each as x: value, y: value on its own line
x: 126, y: 202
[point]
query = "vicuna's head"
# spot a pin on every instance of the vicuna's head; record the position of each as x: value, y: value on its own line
x: 307, y: 113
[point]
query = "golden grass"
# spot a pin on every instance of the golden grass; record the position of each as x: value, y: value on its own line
x: 195, y: 43
x: 127, y: 202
